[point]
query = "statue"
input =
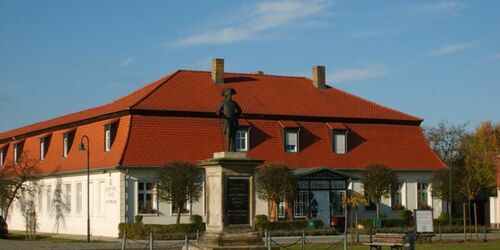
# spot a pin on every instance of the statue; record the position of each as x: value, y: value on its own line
x: 229, y: 110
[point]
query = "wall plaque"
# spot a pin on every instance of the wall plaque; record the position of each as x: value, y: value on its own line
x: 237, y: 195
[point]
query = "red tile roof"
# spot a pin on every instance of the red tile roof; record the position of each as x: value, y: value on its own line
x: 156, y: 140
x: 152, y: 130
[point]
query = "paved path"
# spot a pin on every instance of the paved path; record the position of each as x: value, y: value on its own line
x: 114, y: 243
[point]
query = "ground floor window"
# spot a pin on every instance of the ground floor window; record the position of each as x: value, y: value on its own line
x: 396, y: 197
x: 281, y: 208
x: 301, y: 204
x: 146, y: 198
x: 186, y: 208
x: 422, y: 194
x: 67, y: 198
x: 79, y: 198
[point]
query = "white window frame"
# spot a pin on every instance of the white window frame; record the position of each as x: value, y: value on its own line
x: 398, y: 193
x: 423, y: 191
x: 68, y: 196
x: 301, y: 204
x: 78, y: 198
x: 16, y: 154
x: 281, y: 209
x: 107, y: 137
x: 65, y: 144
x: 144, y: 193
x: 101, y: 197
x: 43, y: 140
x: 288, y: 144
x: 241, y: 136
x: 40, y: 200
x: 2, y: 153
x: 336, y: 149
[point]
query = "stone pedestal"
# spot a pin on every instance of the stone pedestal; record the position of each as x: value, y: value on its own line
x: 230, y: 202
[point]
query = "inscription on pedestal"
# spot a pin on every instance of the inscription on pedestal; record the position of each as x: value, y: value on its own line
x: 237, y: 200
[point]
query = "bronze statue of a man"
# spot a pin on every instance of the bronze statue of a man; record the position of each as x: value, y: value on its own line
x: 229, y: 111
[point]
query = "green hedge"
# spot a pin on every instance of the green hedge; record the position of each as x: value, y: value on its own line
x: 293, y: 225
x: 139, y: 231
x: 405, y: 223
x: 444, y: 229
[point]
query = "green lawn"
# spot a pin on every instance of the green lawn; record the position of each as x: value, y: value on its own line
x: 490, y: 245
x: 39, y: 237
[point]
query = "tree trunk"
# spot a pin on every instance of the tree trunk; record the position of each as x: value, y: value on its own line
x: 378, y: 209
x: 475, y: 221
x: 272, y: 211
x: 289, y: 210
x: 179, y: 214
x: 465, y: 223
x: 356, y: 224
x: 470, y: 219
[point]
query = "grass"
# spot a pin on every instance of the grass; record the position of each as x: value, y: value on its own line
x: 490, y: 245
x: 40, y: 237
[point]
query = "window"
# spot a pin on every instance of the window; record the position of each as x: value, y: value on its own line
x: 281, y: 208
x: 67, y: 142
x: 78, y: 198
x: 301, y: 204
x: 339, y: 142
x: 40, y: 200
x: 291, y: 141
x: 109, y: 135
x: 67, y: 197
x: 337, y: 205
x: 18, y: 149
x: 396, y: 197
x: 422, y: 194
x: 49, y: 197
x: 146, y: 197
x: 44, y: 146
x: 370, y: 203
x: 1, y: 156
x: 184, y: 209
x: 242, y: 140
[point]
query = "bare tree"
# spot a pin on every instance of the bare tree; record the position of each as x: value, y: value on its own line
x: 15, y: 177
x: 27, y: 206
x: 59, y: 206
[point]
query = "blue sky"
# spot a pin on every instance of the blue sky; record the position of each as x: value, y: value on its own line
x: 439, y: 60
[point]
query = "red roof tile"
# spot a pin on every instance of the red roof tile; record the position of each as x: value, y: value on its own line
x: 157, y: 140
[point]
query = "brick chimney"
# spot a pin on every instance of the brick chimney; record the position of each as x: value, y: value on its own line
x: 319, y: 76
x: 218, y: 70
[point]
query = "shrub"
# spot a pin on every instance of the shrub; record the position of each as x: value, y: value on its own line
x: 294, y: 225
x: 139, y: 231
x: 407, y: 217
x: 261, y: 221
x: 138, y: 219
x: 196, y: 219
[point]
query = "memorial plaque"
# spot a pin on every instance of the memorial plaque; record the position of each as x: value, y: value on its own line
x: 237, y: 195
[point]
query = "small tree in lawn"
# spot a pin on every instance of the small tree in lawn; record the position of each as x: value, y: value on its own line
x: 276, y: 182
x: 378, y: 181
x: 354, y: 200
x: 178, y: 183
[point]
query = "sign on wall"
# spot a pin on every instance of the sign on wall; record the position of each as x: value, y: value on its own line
x: 423, y: 221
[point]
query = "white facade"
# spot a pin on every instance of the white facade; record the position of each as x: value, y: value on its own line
x: 495, y: 210
x: 110, y: 204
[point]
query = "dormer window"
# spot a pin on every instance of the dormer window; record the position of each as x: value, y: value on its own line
x: 109, y: 135
x: 18, y: 149
x: 68, y: 138
x: 290, y: 133
x: 44, y: 146
x: 339, y: 142
x: 2, y: 156
x: 242, y: 140
x: 338, y: 137
x: 291, y: 141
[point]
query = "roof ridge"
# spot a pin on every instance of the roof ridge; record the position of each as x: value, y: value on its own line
x: 374, y: 103
x: 250, y: 74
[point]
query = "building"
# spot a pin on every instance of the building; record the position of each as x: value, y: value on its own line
x: 322, y: 132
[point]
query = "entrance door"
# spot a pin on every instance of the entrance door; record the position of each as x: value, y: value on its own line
x: 320, y: 206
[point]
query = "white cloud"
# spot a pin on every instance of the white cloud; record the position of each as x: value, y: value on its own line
x: 363, y: 34
x: 125, y: 62
x: 442, y: 6
x: 452, y: 48
x: 264, y: 17
x: 358, y: 74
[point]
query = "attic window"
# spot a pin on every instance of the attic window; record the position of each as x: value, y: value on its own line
x: 18, y: 150
x: 290, y: 133
x: 110, y: 130
x: 2, y: 153
x: 44, y: 145
x: 68, y: 138
x: 338, y: 137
